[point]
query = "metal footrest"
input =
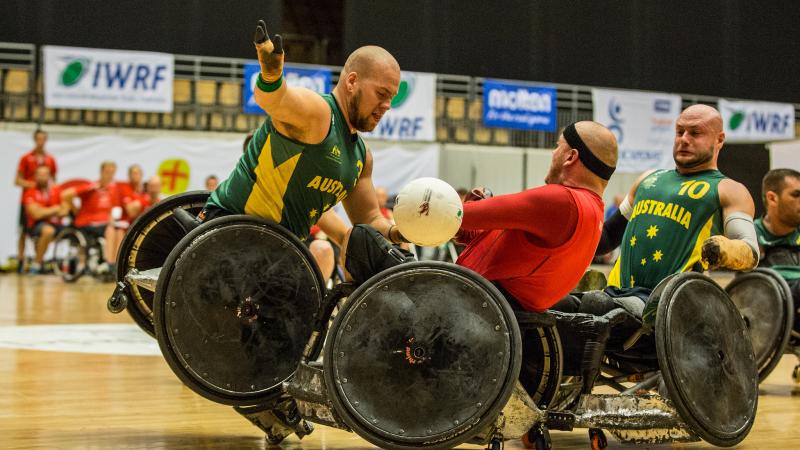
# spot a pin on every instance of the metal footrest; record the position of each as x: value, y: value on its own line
x: 146, y: 279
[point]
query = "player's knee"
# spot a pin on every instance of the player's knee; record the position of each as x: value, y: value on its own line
x: 321, y: 249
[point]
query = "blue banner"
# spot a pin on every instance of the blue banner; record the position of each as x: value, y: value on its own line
x: 318, y: 80
x: 520, y: 106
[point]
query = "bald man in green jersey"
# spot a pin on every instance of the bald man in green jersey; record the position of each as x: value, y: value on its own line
x: 308, y: 156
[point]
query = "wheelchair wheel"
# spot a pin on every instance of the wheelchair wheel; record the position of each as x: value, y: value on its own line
x: 70, y: 254
x: 765, y: 302
x: 706, y: 359
x: 423, y: 355
x: 147, y: 244
x: 542, y: 363
x: 234, y: 308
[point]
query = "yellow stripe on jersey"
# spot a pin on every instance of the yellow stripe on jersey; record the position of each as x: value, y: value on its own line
x: 697, y: 252
x: 266, y: 198
x: 613, y: 277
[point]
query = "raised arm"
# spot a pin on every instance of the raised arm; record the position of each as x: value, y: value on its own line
x: 296, y: 112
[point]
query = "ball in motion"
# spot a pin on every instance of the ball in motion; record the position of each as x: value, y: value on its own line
x: 428, y: 211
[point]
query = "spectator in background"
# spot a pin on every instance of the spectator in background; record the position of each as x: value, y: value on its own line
x: 153, y: 190
x: 613, y: 207
x: 132, y: 198
x: 611, y: 256
x: 44, y: 211
x: 133, y: 201
x: 383, y: 200
x: 25, y: 179
x: 211, y: 182
x: 95, y: 214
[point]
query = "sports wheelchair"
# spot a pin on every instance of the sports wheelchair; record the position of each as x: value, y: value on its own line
x: 76, y: 253
x: 428, y: 354
x: 765, y: 302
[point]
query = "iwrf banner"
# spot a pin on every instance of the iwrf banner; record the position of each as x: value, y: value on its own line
x: 644, y: 124
x: 412, y: 117
x: 757, y: 121
x: 115, y: 80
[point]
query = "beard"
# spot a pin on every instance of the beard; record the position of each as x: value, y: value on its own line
x: 360, y: 123
x: 698, y: 160
x: 553, y: 175
x: 789, y: 218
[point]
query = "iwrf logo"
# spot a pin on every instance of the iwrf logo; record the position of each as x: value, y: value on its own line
x: 759, y: 121
x: 112, y: 75
x: 403, y: 91
x: 73, y: 72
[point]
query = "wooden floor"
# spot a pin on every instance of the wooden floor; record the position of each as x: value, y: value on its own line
x: 65, y: 400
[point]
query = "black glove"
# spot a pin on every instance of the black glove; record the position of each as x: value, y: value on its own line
x: 270, y: 52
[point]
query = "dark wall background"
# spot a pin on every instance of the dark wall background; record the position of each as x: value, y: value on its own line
x: 733, y: 48
x: 747, y: 164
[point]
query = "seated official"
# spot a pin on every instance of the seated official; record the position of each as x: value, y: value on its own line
x: 43, y: 210
x: 94, y: 217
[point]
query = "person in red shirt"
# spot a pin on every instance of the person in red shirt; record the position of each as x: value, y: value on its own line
x: 25, y: 179
x: 535, y: 245
x: 94, y: 217
x: 152, y: 191
x: 44, y: 211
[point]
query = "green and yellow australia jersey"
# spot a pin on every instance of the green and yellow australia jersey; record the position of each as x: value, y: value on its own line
x: 290, y: 182
x: 781, y: 253
x: 672, y: 215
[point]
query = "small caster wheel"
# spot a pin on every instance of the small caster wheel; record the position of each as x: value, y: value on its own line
x: 597, y: 439
x: 117, y: 303
x: 796, y: 374
x: 274, y: 440
x: 538, y: 438
x: 495, y: 444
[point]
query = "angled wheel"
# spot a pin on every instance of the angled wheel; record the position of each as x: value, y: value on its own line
x: 146, y: 246
x: 706, y: 359
x: 765, y: 302
x: 422, y: 356
x: 234, y: 308
x: 70, y: 254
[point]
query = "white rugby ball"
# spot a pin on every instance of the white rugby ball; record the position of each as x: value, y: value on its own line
x: 428, y: 211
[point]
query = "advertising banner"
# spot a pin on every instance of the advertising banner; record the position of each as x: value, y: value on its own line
x: 644, y: 124
x: 412, y: 117
x: 115, y: 80
x: 756, y: 121
x: 517, y: 105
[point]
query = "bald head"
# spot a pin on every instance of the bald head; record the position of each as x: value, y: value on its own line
x: 600, y: 140
x: 702, y: 115
x: 369, y: 61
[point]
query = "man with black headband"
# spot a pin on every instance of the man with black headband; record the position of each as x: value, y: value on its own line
x: 689, y: 218
x: 535, y: 245
x: 307, y: 156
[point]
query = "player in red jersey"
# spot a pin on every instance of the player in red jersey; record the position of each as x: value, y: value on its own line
x: 535, y: 245
x: 94, y: 217
x: 25, y: 179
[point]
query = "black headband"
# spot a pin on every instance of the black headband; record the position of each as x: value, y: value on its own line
x: 586, y: 156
